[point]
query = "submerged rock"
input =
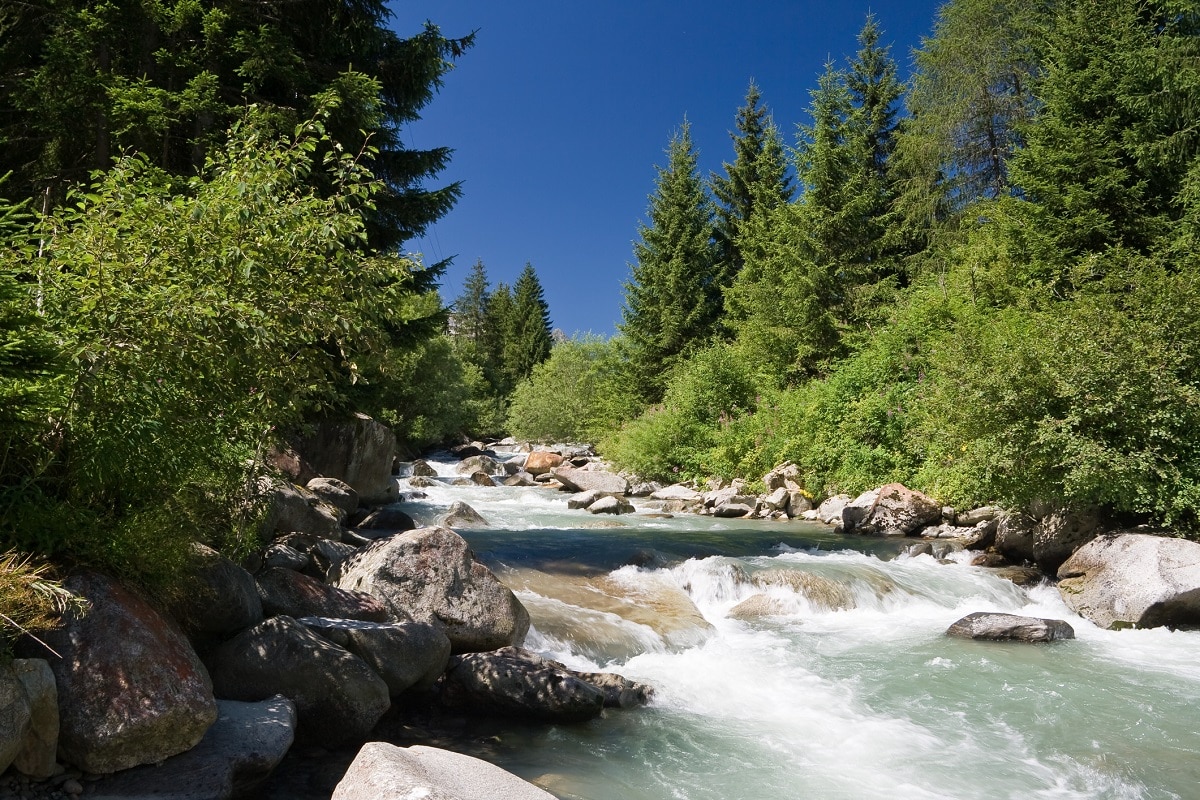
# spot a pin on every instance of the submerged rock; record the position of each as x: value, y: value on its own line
x: 1010, y: 627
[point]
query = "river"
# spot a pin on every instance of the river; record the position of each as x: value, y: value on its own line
x: 846, y: 690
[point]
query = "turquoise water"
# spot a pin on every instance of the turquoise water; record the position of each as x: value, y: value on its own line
x: 846, y: 688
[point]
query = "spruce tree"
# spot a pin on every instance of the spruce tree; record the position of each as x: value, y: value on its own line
x: 497, y: 331
x: 670, y: 302
x: 470, y: 310
x: 757, y: 179
x: 528, y: 341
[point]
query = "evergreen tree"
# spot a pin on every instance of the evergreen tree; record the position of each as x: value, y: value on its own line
x: 671, y: 305
x: 757, y: 178
x: 528, y: 339
x: 497, y: 330
x: 470, y: 315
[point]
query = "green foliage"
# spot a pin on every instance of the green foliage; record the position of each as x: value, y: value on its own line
x: 579, y: 394
x: 527, y: 339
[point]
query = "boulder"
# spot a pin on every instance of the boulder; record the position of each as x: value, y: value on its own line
x: 540, y: 462
x: 485, y: 464
x: 784, y: 476
x: 799, y: 504
x: 643, y: 489
x: 405, y: 655
x: 357, y: 450
x: 982, y: 535
x: 677, y: 492
x: 294, y: 508
x: 857, y: 510
x: 830, y: 510
x: 584, y: 499
x: 777, y: 500
x: 422, y: 482
x: 382, y: 770
x: 15, y: 718
x: 1060, y: 534
x: 896, y: 511
x: 969, y: 519
x: 1010, y: 627
x: 1021, y: 576
x: 326, y: 555
x: 163, y: 703
x: 421, y: 469
x: 736, y: 508
x: 1134, y: 580
x: 461, y: 515
x: 238, y: 753
x: 582, y: 480
x: 431, y: 575
x: 619, y: 691
x: 391, y: 517
x: 1014, y: 537
x: 611, y: 505
x: 336, y: 493
x: 480, y: 478
x: 516, y: 683
x: 39, y: 750
x: 297, y: 595
x: 282, y: 556
x: 338, y: 697
x: 221, y: 598
x: 520, y: 479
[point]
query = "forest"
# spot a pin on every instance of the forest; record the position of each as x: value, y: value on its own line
x: 980, y: 279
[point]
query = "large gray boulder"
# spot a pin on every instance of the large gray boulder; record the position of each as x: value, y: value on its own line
x: 338, y: 697
x: 1061, y: 533
x: 1010, y: 627
x: 512, y: 682
x: 294, y: 508
x: 1134, y: 580
x: 784, y: 476
x: 238, y: 753
x: 163, y: 702
x: 896, y: 511
x: 582, y: 480
x: 37, y: 755
x: 480, y: 463
x: 610, y: 504
x: 406, y: 655
x: 1014, y: 537
x: 221, y: 597
x: 336, y: 493
x: 677, y: 491
x: 382, y: 770
x: 358, y: 450
x: 830, y: 510
x: 295, y: 594
x: 431, y: 575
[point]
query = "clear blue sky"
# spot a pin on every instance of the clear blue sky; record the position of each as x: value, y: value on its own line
x: 560, y: 112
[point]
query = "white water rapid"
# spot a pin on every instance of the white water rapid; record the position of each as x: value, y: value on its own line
x: 789, y: 662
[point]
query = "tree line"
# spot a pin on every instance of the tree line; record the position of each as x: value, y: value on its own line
x: 980, y: 280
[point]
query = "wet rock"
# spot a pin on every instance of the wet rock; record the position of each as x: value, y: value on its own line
x: 461, y: 515
x: 421, y: 482
x: 384, y: 771
x: 760, y: 605
x: 422, y: 469
x: 1021, y: 576
x: 822, y: 593
x: 610, y: 505
x: 516, y: 683
x: 405, y: 655
x: 480, y: 463
x: 297, y: 595
x: 582, y: 480
x: 1010, y: 627
x: 1014, y: 537
x: 480, y: 478
x: 584, y: 499
x: 431, y: 575
x: 989, y: 560
x: 677, y: 492
x: 520, y: 479
x: 338, y: 697
x: 1134, y: 580
x: 162, y: 705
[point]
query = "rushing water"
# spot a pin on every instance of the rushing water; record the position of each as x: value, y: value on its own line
x: 838, y: 682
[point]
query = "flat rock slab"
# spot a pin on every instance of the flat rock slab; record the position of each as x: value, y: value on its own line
x: 240, y: 750
x: 581, y: 480
x: 385, y: 771
x: 1010, y: 627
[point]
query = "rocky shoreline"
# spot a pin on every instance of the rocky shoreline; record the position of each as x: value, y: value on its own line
x: 352, y: 616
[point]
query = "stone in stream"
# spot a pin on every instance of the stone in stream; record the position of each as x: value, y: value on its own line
x: 461, y: 515
x: 431, y: 575
x: 382, y: 771
x: 405, y: 655
x: 581, y: 480
x: 895, y: 510
x: 1010, y: 627
x: 1134, y: 580
x: 295, y: 594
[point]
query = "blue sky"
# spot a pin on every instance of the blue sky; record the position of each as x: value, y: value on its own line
x: 560, y: 112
